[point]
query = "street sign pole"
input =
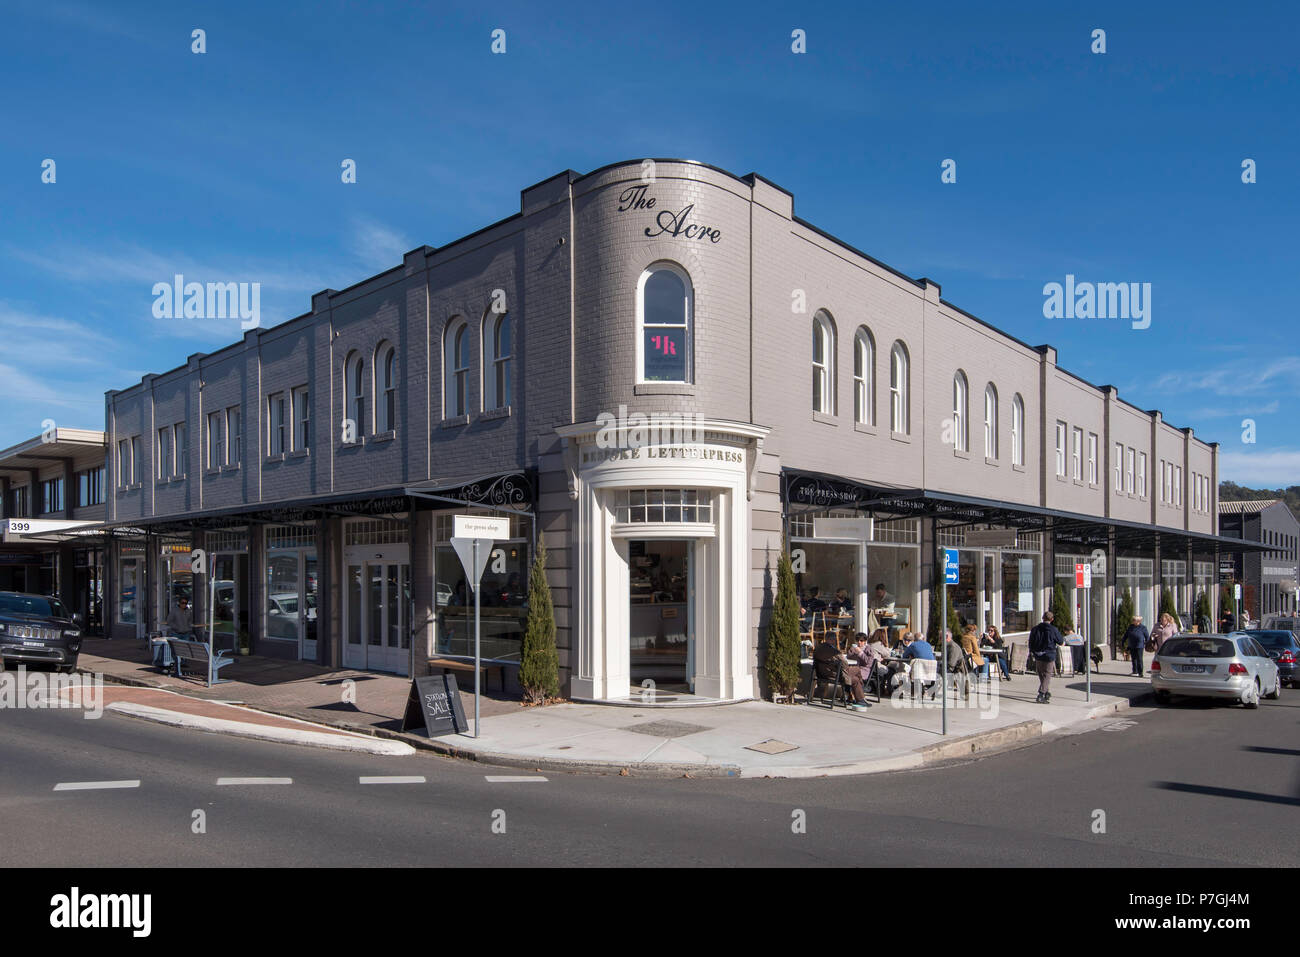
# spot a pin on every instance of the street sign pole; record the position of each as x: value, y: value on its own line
x: 478, y: 632
x: 950, y: 560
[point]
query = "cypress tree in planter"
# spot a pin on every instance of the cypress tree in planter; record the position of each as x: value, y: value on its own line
x: 539, y: 662
x: 1062, y: 613
x: 783, y: 633
x: 1167, y: 603
x: 1203, y: 612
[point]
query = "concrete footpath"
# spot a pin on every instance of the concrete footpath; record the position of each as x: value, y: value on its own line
x: 749, y: 739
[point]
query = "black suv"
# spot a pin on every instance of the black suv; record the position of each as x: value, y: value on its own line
x: 35, y: 628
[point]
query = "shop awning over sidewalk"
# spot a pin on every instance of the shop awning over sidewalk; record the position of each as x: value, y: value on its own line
x: 814, y: 492
x: 46, y: 531
x: 388, y: 501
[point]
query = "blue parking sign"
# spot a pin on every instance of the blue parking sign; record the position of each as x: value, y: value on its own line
x: 950, y: 566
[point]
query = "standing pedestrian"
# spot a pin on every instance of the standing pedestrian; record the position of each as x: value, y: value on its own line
x: 1165, y: 629
x: 1136, y: 638
x: 1044, y: 642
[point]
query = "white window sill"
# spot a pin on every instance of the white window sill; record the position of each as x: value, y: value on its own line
x: 384, y: 436
x: 901, y: 437
x: 230, y: 468
x: 275, y: 457
x: 454, y: 422
x: 865, y: 429
x: 824, y: 418
x: 960, y: 453
x: 664, y: 388
x: 356, y: 443
x: 298, y: 454
x: 989, y: 461
x: 488, y: 415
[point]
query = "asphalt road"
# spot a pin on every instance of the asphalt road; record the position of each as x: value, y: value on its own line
x: 1191, y: 784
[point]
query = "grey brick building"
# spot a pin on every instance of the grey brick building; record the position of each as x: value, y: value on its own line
x: 623, y: 366
x: 1271, y: 578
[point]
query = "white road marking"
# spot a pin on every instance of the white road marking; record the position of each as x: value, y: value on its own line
x: 507, y: 779
x: 222, y: 782
x: 394, y: 779
x: 95, y: 785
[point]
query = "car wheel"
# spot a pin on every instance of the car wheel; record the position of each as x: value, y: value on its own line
x: 1250, y: 697
x: 1277, y: 690
x: 1162, y: 697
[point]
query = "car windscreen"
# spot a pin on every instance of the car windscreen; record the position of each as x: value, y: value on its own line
x: 33, y: 605
x: 1274, y: 639
x: 1198, y: 648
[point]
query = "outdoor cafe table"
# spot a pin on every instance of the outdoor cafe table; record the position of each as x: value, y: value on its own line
x: 995, y: 653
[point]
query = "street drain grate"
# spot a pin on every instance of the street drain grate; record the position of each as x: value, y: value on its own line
x: 772, y: 746
x: 667, y: 729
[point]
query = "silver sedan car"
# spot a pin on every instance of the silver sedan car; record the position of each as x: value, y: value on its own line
x: 1232, y: 666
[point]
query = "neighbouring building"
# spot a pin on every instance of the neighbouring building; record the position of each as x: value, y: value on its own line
x: 1270, y: 578
x: 666, y: 373
x: 52, y: 499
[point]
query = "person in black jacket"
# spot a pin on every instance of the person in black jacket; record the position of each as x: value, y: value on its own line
x: 1044, y: 641
x: 1136, y: 639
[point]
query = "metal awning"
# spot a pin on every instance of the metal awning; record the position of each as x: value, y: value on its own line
x: 813, y: 491
x: 45, y: 531
x: 513, y: 491
x: 348, y: 505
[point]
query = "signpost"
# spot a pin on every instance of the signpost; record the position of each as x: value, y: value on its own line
x: 951, y: 576
x: 1083, y: 580
x: 1236, y: 601
x: 474, y: 535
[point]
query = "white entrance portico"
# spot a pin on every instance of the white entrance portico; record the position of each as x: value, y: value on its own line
x: 662, y: 544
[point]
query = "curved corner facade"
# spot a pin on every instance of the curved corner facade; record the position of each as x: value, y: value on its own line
x: 669, y: 376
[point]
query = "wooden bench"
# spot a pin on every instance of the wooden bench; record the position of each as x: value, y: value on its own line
x: 459, y: 664
x: 197, y: 652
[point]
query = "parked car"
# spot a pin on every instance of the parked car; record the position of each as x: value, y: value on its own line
x: 1289, y: 623
x: 1284, y: 648
x: 1232, y: 666
x: 38, y: 629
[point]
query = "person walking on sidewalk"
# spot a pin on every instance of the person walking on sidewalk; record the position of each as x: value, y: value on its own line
x: 1136, y: 638
x: 1044, y: 642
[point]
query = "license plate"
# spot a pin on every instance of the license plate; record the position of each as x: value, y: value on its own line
x: 33, y: 644
x: 1193, y: 669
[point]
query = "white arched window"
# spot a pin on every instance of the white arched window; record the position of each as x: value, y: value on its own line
x: 990, y: 422
x: 498, y: 349
x: 960, y: 435
x: 1017, y: 430
x: 385, y: 388
x: 900, y: 412
x: 455, y: 369
x: 355, y: 391
x: 823, y: 364
x: 864, y: 378
x: 665, y: 310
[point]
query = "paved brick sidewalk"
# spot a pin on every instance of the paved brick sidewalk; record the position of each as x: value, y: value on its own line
x: 293, y: 688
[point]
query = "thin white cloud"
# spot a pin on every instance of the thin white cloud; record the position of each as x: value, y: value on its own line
x: 1279, y: 468
x: 23, y: 389
x: 1238, y: 377
x: 377, y: 246
x: 144, y: 267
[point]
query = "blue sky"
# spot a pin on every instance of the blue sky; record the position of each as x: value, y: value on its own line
x: 225, y: 166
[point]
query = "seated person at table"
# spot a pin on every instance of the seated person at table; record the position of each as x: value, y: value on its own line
x: 826, y: 661
x: 881, y: 613
x: 917, y: 647
x: 993, y: 639
x: 971, y: 645
x: 879, y: 649
x: 814, y: 604
x: 843, y: 604
x: 958, y: 663
x: 180, y: 620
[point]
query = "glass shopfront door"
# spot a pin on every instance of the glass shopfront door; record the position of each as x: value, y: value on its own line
x: 291, y: 586
x: 377, y: 601
x: 661, y: 612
